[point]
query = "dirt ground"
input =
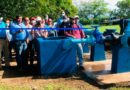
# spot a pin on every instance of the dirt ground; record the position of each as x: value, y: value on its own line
x: 30, y: 79
x: 33, y: 81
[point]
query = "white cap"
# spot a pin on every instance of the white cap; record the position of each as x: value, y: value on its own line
x: 76, y: 16
x: 1, y: 18
x: 33, y: 22
x: 38, y: 18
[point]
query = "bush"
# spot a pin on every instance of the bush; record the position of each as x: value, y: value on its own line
x: 96, y: 21
x: 85, y: 21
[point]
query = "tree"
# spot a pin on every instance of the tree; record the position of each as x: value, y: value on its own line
x: 12, y: 8
x: 123, y: 8
x: 97, y: 8
x: 93, y: 11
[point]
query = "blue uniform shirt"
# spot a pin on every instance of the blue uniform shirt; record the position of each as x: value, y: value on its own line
x: 2, y: 31
x: 21, y: 35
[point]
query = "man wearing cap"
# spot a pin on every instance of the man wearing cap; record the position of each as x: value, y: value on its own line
x: 77, y: 21
x: 20, y: 37
x: 3, y: 44
x: 76, y: 34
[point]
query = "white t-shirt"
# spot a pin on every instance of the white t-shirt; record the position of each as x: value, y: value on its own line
x: 29, y: 31
x: 8, y: 35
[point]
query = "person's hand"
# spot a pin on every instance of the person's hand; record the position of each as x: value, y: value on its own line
x: 73, y: 36
x: 27, y: 40
x: 18, y: 32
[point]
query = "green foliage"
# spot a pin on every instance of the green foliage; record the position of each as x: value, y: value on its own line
x: 113, y: 13
x: 84, y: 21
x: 124, y: 8
x: 97, y: 8
x: 12, y: 8
x: 96, y: 21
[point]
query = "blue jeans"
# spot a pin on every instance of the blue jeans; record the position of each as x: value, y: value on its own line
x: 21, y: 53
x: 80, y: 53
x: 79, y: 49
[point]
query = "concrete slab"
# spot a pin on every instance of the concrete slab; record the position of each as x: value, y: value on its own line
x: 114, y: 78
x: 100, y: 71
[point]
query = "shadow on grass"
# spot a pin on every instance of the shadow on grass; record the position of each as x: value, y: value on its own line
x: 33, y: 72
x: 14, y: 72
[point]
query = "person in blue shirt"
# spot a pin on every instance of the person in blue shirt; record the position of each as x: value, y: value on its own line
x: 20, y: 38
x: 3, y: 44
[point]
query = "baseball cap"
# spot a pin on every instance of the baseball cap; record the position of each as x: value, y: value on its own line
x: 76, y: 17
x: 38, y: 18
x: 1, y: 18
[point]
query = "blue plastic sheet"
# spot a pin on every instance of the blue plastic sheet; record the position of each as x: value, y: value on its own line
x: 56, y: 56
x: 97, y: 52
x: 120, y: 59
x: 85, y: 48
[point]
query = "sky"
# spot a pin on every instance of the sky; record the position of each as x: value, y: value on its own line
x: 111, y: 3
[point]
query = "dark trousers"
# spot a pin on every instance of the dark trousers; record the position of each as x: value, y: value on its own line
x: 11, y: 46
x: 31, y: 51
x: 21, y: 53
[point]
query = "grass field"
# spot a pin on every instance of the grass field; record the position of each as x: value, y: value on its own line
x: 54, y: 87
x: 103, y: 28
x: 47, y: 87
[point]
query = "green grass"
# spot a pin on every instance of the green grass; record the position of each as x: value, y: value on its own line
x: 12, y: 87
x: 53, y: 86
x: 123, y: 88
x: 104, y: 27
x: 57, y: 87
x: 44, y: 87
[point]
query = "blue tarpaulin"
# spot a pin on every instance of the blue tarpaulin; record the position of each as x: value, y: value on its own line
x: 120, y: 59
x: 56, y: 56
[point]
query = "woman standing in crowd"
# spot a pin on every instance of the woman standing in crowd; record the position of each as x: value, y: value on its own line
x: 50, y: 25
x: 40, y: 23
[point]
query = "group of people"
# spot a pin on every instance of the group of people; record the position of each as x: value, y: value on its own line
x: 20, y: 34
